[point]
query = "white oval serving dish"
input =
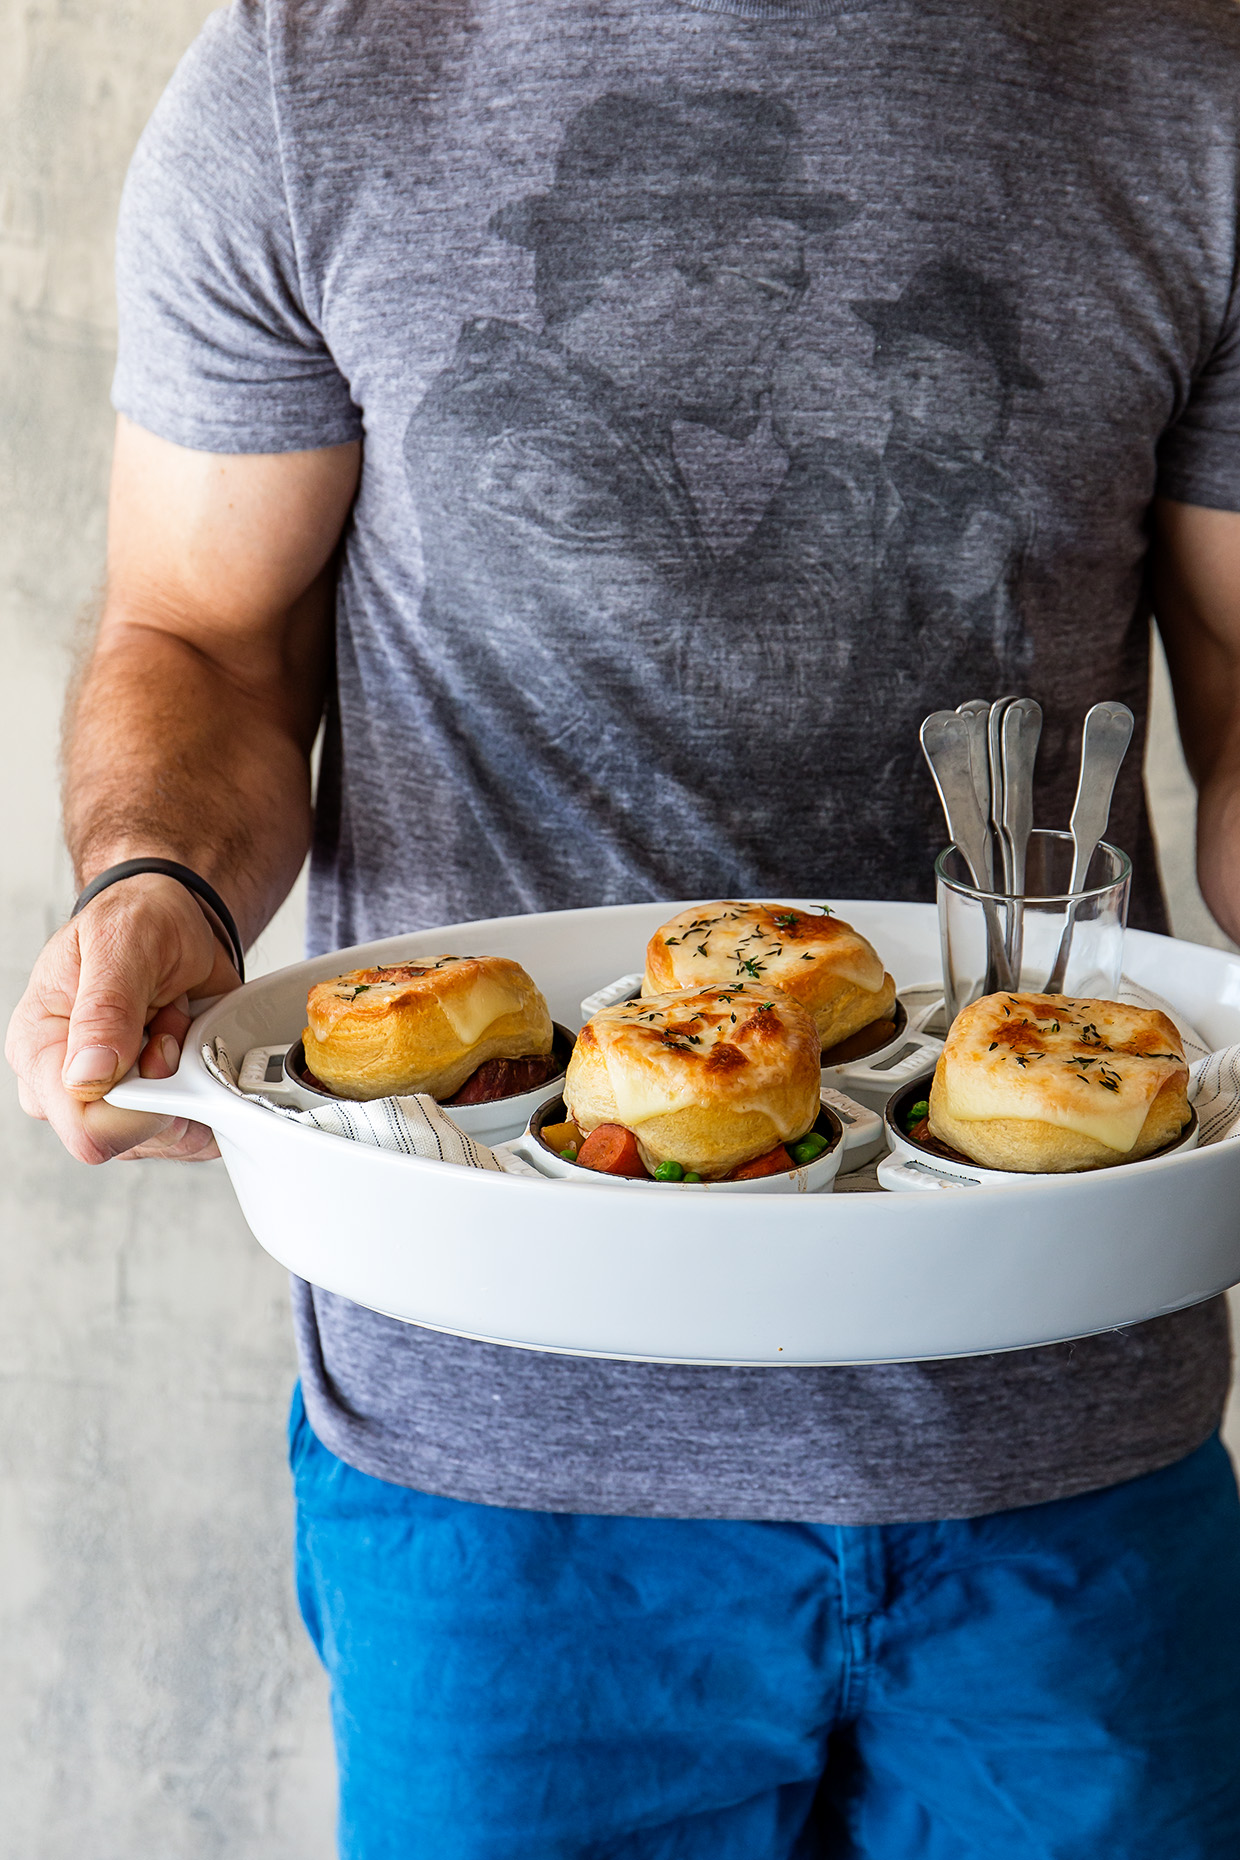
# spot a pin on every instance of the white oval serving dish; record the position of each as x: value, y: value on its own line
x: 818, y: 1279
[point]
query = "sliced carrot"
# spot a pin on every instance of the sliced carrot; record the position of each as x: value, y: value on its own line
x: 612, y: 1150
x: 773, y: 1163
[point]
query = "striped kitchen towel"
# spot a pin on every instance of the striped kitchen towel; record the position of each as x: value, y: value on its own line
x: 414, y: 1126
x: 1213, y: 1077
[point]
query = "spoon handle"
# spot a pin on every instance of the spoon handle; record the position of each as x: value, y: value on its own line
x: 1022, y: 728
x: 977, y: 710
x: 1003, y: 854
x: 1104, y: 744
x: 945, y: 742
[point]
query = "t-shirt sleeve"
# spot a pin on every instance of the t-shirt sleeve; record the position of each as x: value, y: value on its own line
x: 1199, y: 455
x: 219, y: 349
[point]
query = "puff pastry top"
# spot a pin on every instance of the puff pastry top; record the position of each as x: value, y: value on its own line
x: 710, y: 1078
x: 1055, y: 1084
x: 422, y: 1026
x: 815, y: 957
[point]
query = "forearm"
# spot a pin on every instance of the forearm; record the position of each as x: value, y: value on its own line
x: 1206, y: 681
x: 168, y: 754
x: 1218, y: 842
x: 1196, y: 586
x: 187, y: 738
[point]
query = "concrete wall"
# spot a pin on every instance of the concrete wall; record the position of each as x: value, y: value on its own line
x: 157, y: 1698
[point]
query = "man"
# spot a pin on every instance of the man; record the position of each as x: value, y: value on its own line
x: 573, y: 1607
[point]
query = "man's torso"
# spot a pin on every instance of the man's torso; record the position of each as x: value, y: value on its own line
x: 735, y: 390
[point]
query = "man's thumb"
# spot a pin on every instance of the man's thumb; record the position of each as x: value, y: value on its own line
x: 106, y: 1023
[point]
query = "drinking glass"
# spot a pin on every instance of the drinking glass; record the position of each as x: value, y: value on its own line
x: 1032, y: 927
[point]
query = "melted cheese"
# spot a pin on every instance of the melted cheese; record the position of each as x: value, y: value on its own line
x: 762, y: 945
x: 1093, y: 1067
x: 657, y: 1050
x: 395, y: 981
x: 468, y: 1010
x: 639, y: 1098
x: 487, y: 1001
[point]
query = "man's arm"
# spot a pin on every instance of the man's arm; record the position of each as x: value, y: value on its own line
x: 1196, y: 584
x: 188, y: 738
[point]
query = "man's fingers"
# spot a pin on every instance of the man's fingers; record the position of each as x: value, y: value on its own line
x: 138, y: 951
x: 106, y: 1027
x: 164, y: 1039
x: 189, y: 1143
x: 112, y: 985
x: 113, y: 1133
x: 36, y: 1051
x: 41, y: 1018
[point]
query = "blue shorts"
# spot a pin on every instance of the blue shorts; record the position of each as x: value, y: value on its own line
x: 1062, y: 1680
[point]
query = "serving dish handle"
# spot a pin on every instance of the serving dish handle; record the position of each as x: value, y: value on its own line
x: 863, y: 1127
x: 896, y: 1173
x: 188, y: 1093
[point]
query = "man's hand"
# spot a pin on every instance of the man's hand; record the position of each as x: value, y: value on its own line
x: 190, y: 740
x: 110, y: 988
x: 1195, y: 573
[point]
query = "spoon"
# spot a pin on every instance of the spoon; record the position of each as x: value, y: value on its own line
x: 977, y: 710
x: 946, y: 742
x: 1020, y: 731
x: 1104, y: 744
x: 994, y: 745
x: 946, y: 739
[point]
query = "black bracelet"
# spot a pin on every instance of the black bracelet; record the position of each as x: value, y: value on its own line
x: 168, y: 868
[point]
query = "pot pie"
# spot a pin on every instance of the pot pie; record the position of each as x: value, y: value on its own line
x: 429, y: 1027
x: 814, y: 957
x: 705, y: 1083
x: 1040, y: 1084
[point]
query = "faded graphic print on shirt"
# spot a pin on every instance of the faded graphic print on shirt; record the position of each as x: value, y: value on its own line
x: 671, y: 253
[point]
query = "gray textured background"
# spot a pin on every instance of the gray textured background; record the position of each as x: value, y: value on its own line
x: 157, y: 1698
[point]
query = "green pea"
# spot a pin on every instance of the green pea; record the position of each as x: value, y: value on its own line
x: 669, y: 1172
x: 570, y: 1154
x: 690, y: 1175
x: 810, y: 1147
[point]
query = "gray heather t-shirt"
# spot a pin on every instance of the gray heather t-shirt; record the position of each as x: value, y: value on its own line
x: 737, y: 384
